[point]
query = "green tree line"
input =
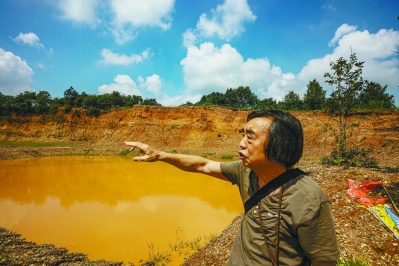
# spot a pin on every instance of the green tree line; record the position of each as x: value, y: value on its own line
x: 32, y: 103
x: 370, y: 95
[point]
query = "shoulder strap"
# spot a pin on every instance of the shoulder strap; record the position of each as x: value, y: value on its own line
x: 271, y: 186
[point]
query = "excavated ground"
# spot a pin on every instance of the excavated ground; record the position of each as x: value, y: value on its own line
x: 213, y: 132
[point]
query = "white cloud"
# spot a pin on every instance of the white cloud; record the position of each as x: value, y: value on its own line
x: 126, y: 85
x: 110, y: 58
x: 380, y: 65
x: 152, y: 84
x: 41, y: 66
x: 15, y: 74
x: 80, y: 12
x: 123, y: 84
x: 167, y: 100
x: 226, y: 21
x: 131, y: 15
x: 32, y: 40
x: 341, y: 31
x: 122, y: 18
x: 208, y: 69
x: 189, y: 38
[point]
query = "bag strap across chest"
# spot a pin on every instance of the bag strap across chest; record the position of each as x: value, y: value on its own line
x: 271, y: 186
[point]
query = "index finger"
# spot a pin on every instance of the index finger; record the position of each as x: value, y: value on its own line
x: 131, y: 143
x: 136, y: 144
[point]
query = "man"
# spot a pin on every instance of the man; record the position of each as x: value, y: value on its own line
x: 288, y: 219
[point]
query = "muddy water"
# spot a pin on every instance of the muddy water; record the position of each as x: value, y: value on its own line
x: 111, y: 207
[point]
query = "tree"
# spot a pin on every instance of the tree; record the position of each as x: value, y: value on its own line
x: 4, y: 105
x: 292, y: 101
x: 240, y: 97
x: 267, y: 103
x: 374, y: 96
x: 315, y: 96
x: 24, y: 103
x: 131, y: 100
x: 90, y: 101
x: 214, y: 98
x: 43, y: 100
x: 347, y: 78
x: 70, y: 95
x: 188, y: 103
x: 348, y: 82
x: 151, y: 101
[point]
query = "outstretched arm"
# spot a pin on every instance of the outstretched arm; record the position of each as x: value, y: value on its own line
x: 189, y: 163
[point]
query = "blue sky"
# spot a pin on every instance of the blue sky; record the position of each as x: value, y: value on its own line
x: 178, y: 50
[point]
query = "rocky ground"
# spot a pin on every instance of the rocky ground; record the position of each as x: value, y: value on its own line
x: 360, y: 235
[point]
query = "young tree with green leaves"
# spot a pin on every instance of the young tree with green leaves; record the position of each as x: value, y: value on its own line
x: 348, y: 82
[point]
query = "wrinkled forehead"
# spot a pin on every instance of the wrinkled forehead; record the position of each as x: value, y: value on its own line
x: 259, y: 125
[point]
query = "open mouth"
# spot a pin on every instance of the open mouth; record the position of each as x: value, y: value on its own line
x: 241, y: 156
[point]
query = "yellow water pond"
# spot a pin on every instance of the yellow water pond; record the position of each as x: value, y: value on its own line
x: 111, y: 207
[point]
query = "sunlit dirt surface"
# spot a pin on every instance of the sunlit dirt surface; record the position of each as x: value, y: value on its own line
x: 111, y: 207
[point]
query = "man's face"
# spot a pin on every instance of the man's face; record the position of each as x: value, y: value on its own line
x: 254, y: 142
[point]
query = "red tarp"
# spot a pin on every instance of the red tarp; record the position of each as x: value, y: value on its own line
x: 360, y: 193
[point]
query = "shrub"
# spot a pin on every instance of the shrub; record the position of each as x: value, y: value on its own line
x: 68, y: 108
x: 124, y: 152
x: 93, y: 111
x: 351, y: 157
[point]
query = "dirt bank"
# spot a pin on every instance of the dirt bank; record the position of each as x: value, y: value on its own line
x: 198, y: 130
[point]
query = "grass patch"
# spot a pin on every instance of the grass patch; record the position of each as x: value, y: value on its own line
x: 207, y: 154
x: 180, y: 248
x: 35, y: 144
x: 227, y: 157
x: 157, y: 257
x: 124, y: 152
x: 356, y: 262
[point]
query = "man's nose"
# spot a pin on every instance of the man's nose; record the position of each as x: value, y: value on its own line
x: 243, y: 144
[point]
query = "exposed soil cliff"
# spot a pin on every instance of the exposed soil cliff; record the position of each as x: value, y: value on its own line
x: 198, y: 130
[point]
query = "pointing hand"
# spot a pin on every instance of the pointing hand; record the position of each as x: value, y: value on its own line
x: 148, y: 154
